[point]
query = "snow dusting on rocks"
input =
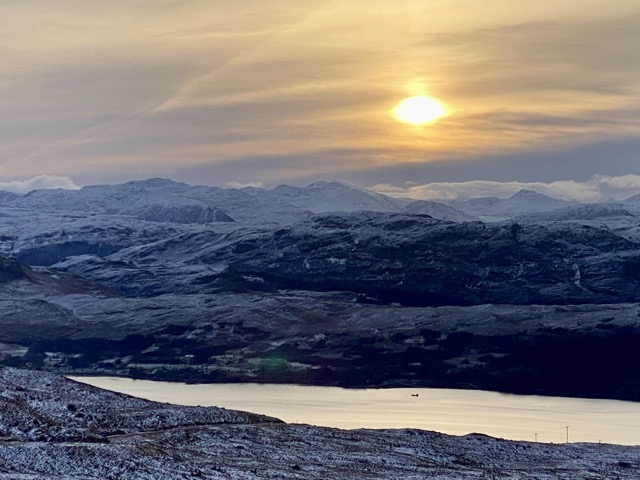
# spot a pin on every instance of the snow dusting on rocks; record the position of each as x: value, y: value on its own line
x: 54, y: 428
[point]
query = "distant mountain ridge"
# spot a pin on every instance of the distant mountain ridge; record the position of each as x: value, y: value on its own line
x: 583, y: 211
x: 159, y: 199
x: 323, y: 197
x: 520, y: 203
x: 439, y: 211
x: 633, y: 199
x: 155, y: 199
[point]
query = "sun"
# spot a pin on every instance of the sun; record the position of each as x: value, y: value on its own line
x: 419, y: 110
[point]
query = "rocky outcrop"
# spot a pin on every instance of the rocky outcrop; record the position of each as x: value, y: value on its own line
x: 10, y: 269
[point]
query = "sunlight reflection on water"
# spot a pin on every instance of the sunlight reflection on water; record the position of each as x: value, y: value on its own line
x: 456, y: 412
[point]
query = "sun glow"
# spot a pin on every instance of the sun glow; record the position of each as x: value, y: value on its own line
x: 419, y: 110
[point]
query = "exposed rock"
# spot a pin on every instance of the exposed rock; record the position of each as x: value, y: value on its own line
x: 10, y: 270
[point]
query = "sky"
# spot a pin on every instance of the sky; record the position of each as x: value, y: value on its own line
x: 247, y: 92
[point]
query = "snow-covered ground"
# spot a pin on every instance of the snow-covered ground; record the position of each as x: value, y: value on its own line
x: 53, y: 428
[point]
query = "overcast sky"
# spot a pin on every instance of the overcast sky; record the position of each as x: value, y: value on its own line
x: 291, y: 91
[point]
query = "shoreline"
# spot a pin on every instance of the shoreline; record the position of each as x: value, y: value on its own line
x: 450, y: 411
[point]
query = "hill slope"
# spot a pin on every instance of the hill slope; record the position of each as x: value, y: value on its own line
x: 52, y: 428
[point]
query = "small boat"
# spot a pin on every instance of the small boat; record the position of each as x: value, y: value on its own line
x: 415, y: 394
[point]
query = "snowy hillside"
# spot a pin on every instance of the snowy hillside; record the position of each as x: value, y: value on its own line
x: 160, y: 200
x: 438, y: 210
x: 322, y: 197
x: 584, y: 211
x: 635, y: 199
x: 521, y: 203
x: 153, y: 200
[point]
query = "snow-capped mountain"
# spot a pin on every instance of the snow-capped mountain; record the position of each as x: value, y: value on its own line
x: 438, y: 210
x: 161, y: 200
x: 6, y: 197
x: 155, y: 200
x: 635, y: 199
x: 521, y: 203
x: 405, y: 257
x: 320, y: 197
x: 580, y: 212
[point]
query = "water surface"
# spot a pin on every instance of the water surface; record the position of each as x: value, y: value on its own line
x: 457, y: 412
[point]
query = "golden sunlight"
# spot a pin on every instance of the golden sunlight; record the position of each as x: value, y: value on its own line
x: 419, y: 110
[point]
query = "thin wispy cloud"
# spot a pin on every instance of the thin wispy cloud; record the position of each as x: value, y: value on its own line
x: 239, y: 185
x: 137, y: 88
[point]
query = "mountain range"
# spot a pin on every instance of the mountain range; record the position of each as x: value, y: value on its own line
x: 346, y: 286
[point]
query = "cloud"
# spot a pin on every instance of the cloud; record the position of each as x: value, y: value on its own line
x: 239, y: 185
x: 622, y: 182
x: 597, y: 188
x: 121, y: 89
x: 41, y: 182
